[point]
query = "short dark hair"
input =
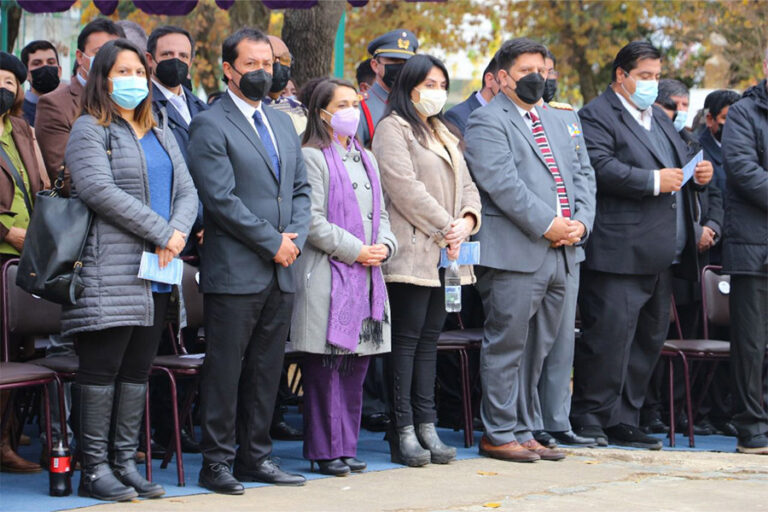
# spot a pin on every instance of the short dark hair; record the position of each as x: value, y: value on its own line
x: 716, y: 101
x: 365, y: 72
x: 96, y: 99
x: 412, y: 74
x: 551, y: 56
x: 669, y: 88
x: 492, y: 67
x: 36, y: 46
x: 164, y: 31
x: 229, y: 46
x: 98, y: 25
x: 628, y: 56
x: 512, y: 49
x: 316, y: 133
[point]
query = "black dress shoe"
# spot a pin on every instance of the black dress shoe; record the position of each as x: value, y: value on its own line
x: 356, y: 465
x: 158, y: 450
x: 284, y: 432
x: 269, y: 473
x: 627, y: 435
x: 655, y: 426
x: 593, y: 432
x: 332, y: 467
x: 725, y: 428
x: 377, y: 422
x: 571, y: 439
x: 544, y: 439
x: 217, y: 478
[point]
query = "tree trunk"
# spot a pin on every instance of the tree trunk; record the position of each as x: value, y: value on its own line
x: 310, y: 34
x: 249, y: 13
x: 13, y: 21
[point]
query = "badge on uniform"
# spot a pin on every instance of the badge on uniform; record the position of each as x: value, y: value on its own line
x: 573, y: 129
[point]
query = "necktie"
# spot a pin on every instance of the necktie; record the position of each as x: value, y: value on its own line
x: 181, y: 107
x: 267, y: 141
x: 546, y: 151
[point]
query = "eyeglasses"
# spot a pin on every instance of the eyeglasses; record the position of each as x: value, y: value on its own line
x: 553, y: 74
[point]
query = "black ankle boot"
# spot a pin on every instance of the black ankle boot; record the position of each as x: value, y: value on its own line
x: 92, y: 409
x: 440, y: 453
x: 127, y: 413
x: 405, y: 449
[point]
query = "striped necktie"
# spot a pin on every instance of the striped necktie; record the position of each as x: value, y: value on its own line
x: 541, y: 139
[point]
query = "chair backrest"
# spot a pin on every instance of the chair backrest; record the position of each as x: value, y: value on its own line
x: 715, y: 290
x: 193, y: 299
x: 23, y: 313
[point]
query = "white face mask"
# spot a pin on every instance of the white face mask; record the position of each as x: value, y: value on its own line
x: 431, y: 101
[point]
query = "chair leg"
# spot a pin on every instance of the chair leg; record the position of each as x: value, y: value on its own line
x: 176, y: 426
x: 62, y: 412
x: 148, y: 435
x: 671, y: 365
x: 466, y: 398
x: 186, y: 411
x: 47, y: 412
x: 688, y: 404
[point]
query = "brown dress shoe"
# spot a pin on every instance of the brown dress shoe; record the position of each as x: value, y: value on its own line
x: 543, y: 452
x: 11, y: 462
x: 513, y: 451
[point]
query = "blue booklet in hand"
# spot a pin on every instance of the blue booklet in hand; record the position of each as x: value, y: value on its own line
x: 150, y: 270
x: 469, y: 254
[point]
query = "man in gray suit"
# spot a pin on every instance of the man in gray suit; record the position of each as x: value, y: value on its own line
x: 247, y: 164
x: 555, y: 381
x: 525, y: 164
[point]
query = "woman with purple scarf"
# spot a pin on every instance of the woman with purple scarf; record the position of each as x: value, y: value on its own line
x: 341, y: 313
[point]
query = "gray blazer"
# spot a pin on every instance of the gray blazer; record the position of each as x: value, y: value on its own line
x: 587, y: 187
x: 516, y: 187
x: 123, y: 225
x: 326, y: 240
x: 246, y: 208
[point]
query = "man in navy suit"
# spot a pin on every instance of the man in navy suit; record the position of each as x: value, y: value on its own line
x: 459, y: 114
x: 642, y: 227
x: 247, y: 164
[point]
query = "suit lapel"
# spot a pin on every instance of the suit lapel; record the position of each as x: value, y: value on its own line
x: 522, y: 126
x: 640, y: 133
x: 673, y: 136
x: 237, y: 118
x: 555, y: 135
x: 174, y: 117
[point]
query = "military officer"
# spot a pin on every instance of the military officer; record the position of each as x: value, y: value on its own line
x: 388, y: 54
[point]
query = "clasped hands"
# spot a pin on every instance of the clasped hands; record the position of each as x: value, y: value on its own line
x: 174, y: 247
x: 565, y: 232
x: 459, y: 231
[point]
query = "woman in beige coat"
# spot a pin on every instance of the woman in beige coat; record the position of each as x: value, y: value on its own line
x: 432, y: 204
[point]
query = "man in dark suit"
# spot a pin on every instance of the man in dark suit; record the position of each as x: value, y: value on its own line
x: 525, y: 165
x: 641, y: 229
x: 247, y: 164
x: 459, y: 114
x: 170, y: 51
x: 43, y: 72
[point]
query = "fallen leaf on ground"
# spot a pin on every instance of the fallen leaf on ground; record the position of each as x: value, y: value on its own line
x: 487, y: 473
x: 591, y: 461
x: 492, y: 504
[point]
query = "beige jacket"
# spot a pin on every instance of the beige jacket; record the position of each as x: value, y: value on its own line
x: 425, y: 188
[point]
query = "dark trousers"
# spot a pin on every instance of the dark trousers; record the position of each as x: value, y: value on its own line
x: 418, y: 314
x: 333, y: 399
x: 246, y: 337
x: 121, y: 353
x: 749, y: 341
x: 625, y: 319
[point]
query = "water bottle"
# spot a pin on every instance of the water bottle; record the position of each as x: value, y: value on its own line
x: 59, y: 471
x: 452, y: 288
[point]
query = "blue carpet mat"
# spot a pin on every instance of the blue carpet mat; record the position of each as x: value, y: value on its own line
x: 29, y: 493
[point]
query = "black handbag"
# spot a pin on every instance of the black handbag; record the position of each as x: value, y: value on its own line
x: 50, y: 262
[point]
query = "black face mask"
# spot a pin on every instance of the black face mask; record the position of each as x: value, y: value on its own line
x: 390, y: 73
x: 187, y: 82
x: 550, y: 89
x: 255, y: 84
x: 530, y: 88
x: 6, y: 100
x: 45, y: 79
x: 719, y: 133
x: 171, y: 72
x: 280, y: 76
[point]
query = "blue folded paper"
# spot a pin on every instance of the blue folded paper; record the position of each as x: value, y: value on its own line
x: 469, y: 254
x: 149, y: 269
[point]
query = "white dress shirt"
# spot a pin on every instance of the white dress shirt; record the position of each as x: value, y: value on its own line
x: 644, y: 118
x: 247, y: 109
x: 179, y: 101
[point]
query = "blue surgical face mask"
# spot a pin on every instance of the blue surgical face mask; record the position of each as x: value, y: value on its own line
x: 680, y: 118
x: 646, y: 92
x: 129, y: 91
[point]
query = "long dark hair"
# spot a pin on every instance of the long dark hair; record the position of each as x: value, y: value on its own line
x: 413, y: 73
x: 96, y: 99
x: 316, y: 134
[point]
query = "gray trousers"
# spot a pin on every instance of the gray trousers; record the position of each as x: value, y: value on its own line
x: 555, y: 381
x: 523, y: 314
